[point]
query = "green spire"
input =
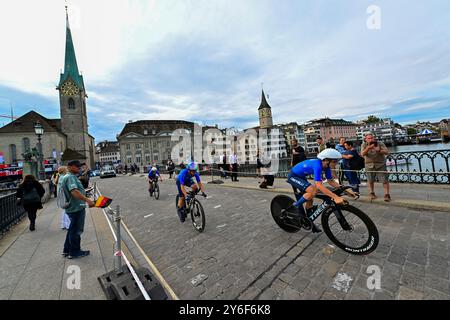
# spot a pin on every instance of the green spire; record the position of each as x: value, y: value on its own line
x: 70, y: 62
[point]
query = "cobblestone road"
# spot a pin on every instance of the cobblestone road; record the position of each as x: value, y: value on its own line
x: 242, y: 254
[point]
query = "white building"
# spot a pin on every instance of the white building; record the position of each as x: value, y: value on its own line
x: 384, y: 130
x: 108, y: 152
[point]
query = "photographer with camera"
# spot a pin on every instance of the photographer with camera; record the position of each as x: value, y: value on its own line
x: 374, y: 153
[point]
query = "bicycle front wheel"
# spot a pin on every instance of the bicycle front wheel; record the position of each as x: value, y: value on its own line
x: 156, y: 192
x: 198, y: 216
x: 354, y: 232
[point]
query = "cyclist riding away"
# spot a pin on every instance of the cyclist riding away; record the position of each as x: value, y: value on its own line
x: 298, y: 179
x: 153, y: 174
x: 186, y: 179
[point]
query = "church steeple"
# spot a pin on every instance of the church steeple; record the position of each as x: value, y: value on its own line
x: 265, y: 113
x: 264, y: 103
x: 70, y: 61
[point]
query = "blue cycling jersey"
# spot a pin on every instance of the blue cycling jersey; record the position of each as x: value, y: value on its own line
x: 152, y: 174
x: 312, y: 166
x: 184, y: 177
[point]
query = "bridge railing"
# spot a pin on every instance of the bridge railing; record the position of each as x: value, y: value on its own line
x: 430, y: 167
x: 10, y: 212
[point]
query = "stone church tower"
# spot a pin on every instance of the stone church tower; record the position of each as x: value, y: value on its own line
x: 265, y: 113
x: 72, y: 99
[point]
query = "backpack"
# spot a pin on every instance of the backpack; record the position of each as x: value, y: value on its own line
x: 61, y: 199
x: 357, y: 162
x: 31, y: 197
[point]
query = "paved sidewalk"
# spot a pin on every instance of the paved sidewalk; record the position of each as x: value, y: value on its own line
x: 416, y: 196
x: 31, y: 265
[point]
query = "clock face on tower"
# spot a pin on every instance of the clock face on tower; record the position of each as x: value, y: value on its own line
x: 69, y: 89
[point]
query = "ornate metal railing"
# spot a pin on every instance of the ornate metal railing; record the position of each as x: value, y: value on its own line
x: 10, y: 212
x: 430, y: 167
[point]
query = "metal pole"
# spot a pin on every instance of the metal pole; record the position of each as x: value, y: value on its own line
x: 41, y: 173
x: 117, y: 247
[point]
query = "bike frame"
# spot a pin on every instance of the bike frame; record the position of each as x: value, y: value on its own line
x: 326, y: 204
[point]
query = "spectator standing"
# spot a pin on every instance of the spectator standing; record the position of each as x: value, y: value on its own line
x: 30, y: 192
x: 65, y: 220
x: 126, y: 169
x: 223, y: 164
x: 348, y: 155
x: 53, y: 183
x: 170, y: 168
x: 76, y: 211
x: 298, y: 153
x: 84, y: 176
x: 321, y: 144
x: 342, y: 150
x: 374, y: 153
x: 234, y: 166
x: 259, y: 165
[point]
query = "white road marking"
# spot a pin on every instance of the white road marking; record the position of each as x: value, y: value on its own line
x: 198, y: 279
x: 217, y: 206
x: 342, y: 282
x: 149, y: 215
x: 222, y: 225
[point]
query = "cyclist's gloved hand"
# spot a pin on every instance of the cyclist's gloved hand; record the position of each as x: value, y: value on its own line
x: 204, y: 194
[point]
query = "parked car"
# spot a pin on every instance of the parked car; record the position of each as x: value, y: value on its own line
x: 107, y: 172
x: 95, y: 173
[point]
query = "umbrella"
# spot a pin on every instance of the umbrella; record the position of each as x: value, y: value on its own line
x: 426, y: 131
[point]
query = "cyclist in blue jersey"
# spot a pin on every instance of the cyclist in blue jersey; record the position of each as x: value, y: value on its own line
x: 153, y: 174
x: 323, y: 164
x: 186, y: 179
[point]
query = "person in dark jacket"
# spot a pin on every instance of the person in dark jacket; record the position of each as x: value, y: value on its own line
x: 170, y: 168
x: 298, y: 153
x: 30, y: 192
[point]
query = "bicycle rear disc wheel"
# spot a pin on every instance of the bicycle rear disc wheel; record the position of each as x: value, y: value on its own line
x: 156, y: 192
x: 278, y: 204
x: 361, y: 238
x: 198, y: 216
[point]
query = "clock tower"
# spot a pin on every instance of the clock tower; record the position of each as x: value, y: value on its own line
x: 265, y: 113
x: 72, y: 100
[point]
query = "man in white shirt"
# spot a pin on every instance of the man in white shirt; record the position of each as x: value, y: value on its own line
x: 234, y: 167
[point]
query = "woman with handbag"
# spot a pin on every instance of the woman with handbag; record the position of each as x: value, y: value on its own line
x: 30, y: 192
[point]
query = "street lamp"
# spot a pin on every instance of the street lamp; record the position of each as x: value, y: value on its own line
x: 39, y: 130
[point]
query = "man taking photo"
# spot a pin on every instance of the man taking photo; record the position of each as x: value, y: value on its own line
x: 76, y: 195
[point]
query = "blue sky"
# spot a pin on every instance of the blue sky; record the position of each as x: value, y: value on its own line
x: 204, y: 60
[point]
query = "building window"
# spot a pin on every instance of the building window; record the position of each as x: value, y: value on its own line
x: 26, y: 145
x: 138, y: 158
x: 147, y: 158
x: 71, y: 103
x: 154, y: 144
x: 168, y: 144
x: 13, y: 152
x: 127, y: 146
x: 138, y: 146
x: 128, y: 159
x: 146, y: 145
x: 155, y: 157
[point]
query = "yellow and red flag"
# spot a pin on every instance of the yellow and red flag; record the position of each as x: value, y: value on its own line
x: 103, y: 202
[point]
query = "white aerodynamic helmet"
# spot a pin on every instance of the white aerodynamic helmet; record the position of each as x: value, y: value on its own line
x: 154, y: 169
x: 329, y: 154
